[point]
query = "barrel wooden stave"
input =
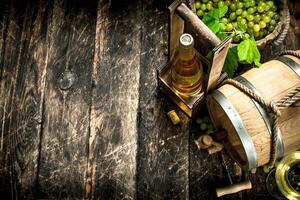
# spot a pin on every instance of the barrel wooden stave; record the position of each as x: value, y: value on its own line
x: 290, y: 127
x: 252, y: 120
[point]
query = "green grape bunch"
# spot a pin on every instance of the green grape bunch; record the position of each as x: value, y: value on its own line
x: 257, y: 17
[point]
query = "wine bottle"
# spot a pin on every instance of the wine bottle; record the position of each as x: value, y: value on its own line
x: 186, y: 73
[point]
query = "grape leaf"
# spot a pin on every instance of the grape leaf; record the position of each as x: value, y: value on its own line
x: 216, y: 26
x: 212, y: 19
x: 231, y: 61
x: 248, y: 52
x: 222, y: 36
x: 216, y: 14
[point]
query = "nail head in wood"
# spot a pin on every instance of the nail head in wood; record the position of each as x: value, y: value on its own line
x: 66, y: 80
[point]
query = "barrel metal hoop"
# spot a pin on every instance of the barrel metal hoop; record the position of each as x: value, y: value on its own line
x: 291, y: 63
x: 240, y: 128
x: 263, y: 112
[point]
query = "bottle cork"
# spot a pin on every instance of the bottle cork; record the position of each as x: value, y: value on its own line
x: 174, y: 117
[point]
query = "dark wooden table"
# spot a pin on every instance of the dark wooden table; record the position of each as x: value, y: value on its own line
x: 80, y: 116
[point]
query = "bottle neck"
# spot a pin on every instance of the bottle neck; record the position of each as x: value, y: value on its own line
x: 186, y: 53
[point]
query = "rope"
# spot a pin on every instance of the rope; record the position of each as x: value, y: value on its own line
x: 289, y: 99
x: 291, y: 52
x: 286, y: 24
x: 274, y: 108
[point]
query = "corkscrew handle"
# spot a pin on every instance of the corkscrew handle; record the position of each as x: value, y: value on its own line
x: 233, y: 188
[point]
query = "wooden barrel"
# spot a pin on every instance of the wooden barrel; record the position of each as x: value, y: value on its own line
x: 247, y: 123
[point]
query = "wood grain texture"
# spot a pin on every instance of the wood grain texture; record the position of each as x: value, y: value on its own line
x: 162, y: 147
x: 9, y: 68
x: 22, y: 84
x: 113, y: 137
x: 64, y: 149
x: 80, y: 116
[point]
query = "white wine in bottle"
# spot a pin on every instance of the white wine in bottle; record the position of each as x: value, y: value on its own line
x: 186, y: 71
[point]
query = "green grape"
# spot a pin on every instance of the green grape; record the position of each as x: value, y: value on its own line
x: 239, y: 18
x: 250, y: 30
x: 240, y: 5
x: 215, y: 1
x: 228, y: 2
x: 256, y: 34
x: 266, y: 170
x: 243, y: 21
x: 221, y: 4
x: 224, y: 20
x: 199, y: 120
x: 235, y: 25
x: 262, y: 24
x: 204, y: 1
x: 210, y: 127
x: 197, y: 5
x: 203, y: 7
x: 261, y: 34
x: 247, y: 4
x: 270, y: 14
x: 250, y: 18
x: 257, y: 18
x: 236, y: 39
x: 274, y: 8
x: 270, y: 3
x: 266, y: 19
x: 200, y: 13
x: 250, y: 24
x: 229, y: 27
x: 250, y: 10
x: 272, y: 22
x: 209, y: 6
x: 276, y: 16
x: 203, y: 126
x: 239, y: 11
x: 277, y: 163
x: 267, y: 7
x: 244, y: 14
x: 252, y: 3
x: 233, y: 7
x: 246, y: 36
x: 232, y: 16
x: 264, y: 32
x: 271, y: 28
x: 262, y: 4
x: 256, y: 28
x: 166, y: 51
x: 260, y: 9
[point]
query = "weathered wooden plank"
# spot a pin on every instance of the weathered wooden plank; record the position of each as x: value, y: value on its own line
x: 3, y: 18
x: 64, y: 150
x: 113, y: 137
x: 8, y: 79
x: 21, y: 87
x: 162, y: 148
